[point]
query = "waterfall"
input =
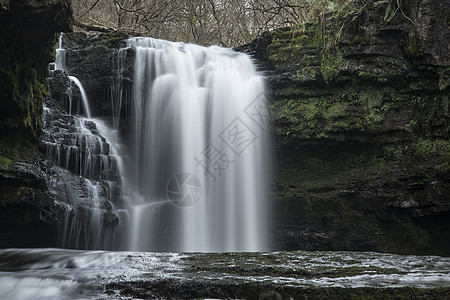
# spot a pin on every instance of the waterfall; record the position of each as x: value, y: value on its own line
x: 197, y: 148
x: 60, y: 55
x: 84, y: 98
x: 84, y: 159
x: 199, y: 144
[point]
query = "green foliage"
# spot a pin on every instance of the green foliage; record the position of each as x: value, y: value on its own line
x: 331, y: 64
x: 22, y: 92
x: 288, y: 42
x: 433, y: 152
x: 360, y: 40
x: 4, y: 162
x: 4, y: 4
x: 431, y: 147
x: 390, y: 13
x: 414, y: 43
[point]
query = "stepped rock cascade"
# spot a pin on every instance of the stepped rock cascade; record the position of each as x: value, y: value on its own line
x: 193, y: 173
x: 83, y: 159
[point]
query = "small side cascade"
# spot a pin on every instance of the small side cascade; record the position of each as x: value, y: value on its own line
x: 84, y: 161
x: 120, y: 88
x: 60, y: 58
x: 84, y: 98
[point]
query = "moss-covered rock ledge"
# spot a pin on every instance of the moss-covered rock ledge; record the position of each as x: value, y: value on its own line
x: 27, y: 37
x: 362, y: 118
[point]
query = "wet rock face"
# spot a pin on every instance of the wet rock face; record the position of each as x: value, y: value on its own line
x: 93, y: 59
x: 83, y: 167
x: 28, y: 215
x: 27, y: 36
x: 361, y: 113
x: 81, y: 172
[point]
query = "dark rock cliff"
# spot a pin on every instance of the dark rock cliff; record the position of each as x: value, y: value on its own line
x: 360, y: 109
x: 362, y: 119
x: 27, y: 38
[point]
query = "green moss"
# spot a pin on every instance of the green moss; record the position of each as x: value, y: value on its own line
x: 428, y: 147
x: 432, y: 114
x: 22, y: 93
x: 360, y: 40
x: 389, y: 12
x: 414, y: 44
x: 335, y: 110
x: 4, y: 162
x: 436, y: 151
x: 331, y: 64
x: 444, y: 79
x: 288, y: 42
x: 401, y: 123
x: 324, y: 38
x: 305, y: 115
x: 113, y: 39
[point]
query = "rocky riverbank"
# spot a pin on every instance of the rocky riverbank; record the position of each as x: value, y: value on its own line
x: 273, y: 275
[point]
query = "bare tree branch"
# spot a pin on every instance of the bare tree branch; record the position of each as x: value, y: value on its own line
x: 224, y: 22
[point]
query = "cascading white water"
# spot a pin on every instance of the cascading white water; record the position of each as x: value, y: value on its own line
x: 60, y: 55
x: 197, y: 162
x: 86, y: 164
x: 84, y: 98
x: 199, y: 139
